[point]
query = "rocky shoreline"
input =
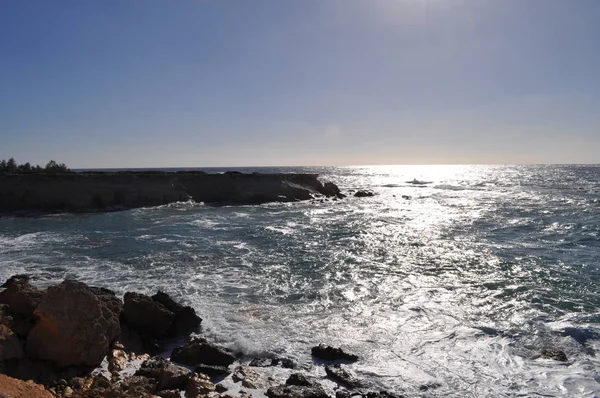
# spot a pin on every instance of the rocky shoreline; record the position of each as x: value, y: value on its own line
x: 109, y: 191
x: 73, y: 340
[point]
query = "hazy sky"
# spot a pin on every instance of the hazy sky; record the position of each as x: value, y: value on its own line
x: 141, y: 83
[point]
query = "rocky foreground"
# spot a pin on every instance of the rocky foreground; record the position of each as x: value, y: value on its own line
x: 125, y: 190
x: 73, y: 340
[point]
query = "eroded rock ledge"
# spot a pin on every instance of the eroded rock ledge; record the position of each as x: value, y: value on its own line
x: 119, y: 190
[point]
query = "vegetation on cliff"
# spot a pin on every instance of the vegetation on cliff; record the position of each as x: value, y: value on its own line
x: 10, y: 166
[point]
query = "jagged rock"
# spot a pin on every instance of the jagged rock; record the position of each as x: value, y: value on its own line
x: 130, y: 387
x: 75, y: 327
x: 186, y: 321
x: 10, y: 345
x: 20, y: 295
x: 298, y: 379
x: 363, y: 194
x: 212, y: 370
x: 14, y: 388
x: 147, y: 316
x: 248, y: 377
x: 340, y: 375
x: 286, y: 391
x: 199, y: 386
x: 331, y: 354
x: 200, y: 351
x: 168, y: 375
x: 555, y: 354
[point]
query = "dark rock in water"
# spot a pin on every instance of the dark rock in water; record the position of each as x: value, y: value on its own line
x: 168, y: 375
x: 287, y: 391
x: 20, y: 295
x: 200, y: 351
x: 146, y: 315
x: 405, y: 197
x: 266, y: 362
x: 330, y: 189
x: 555, y: 354
x: 340, y: 375
x: 363, y: 194
x: 212, y: 370
x: 331, y: 354
x: 298, y: 379
x: 74, y: 326
x: 10, y: 345
x: 186, y: 321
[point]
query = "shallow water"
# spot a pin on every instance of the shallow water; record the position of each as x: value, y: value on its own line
x: 458, y: 287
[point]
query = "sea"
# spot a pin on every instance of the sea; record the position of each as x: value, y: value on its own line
x: 451, y: 281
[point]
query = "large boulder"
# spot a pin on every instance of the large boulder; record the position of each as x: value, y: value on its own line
x: 146, y: 315
x: 200, y: 351
x: 75, y: 326
x: 168, y: 375
x: 20, y: 295
x: 10, y: 345
x: 186, y: 321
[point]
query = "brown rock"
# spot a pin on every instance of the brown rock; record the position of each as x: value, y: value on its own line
x: 248, y: 377
x: 75, y: 327
x: 20, y: 295
x: 200, y: 351
x: 146, y: 315
x: 168, y: 375
x: 117, y: 361
x: 198, y: 386
x: 14, y: 388
x: 10, y: 345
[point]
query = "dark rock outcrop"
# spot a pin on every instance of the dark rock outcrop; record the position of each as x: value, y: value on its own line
x: 113, y: 191
x: 267, y: 362
x: 298, y: 379
x: 287, y: 391
x: 74, y: 326
x: 146, y: 315
x: 332, y: 354
x: 167, y: 375
x: 186, y: 321
x: 555, y: 354
x: 10, y: 345
x: 200, y: 351
x: 212, y: 370
x: 363, y: 194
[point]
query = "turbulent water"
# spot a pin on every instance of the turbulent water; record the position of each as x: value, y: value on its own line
x: 446, y: 289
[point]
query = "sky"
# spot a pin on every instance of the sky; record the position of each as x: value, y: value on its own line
x: 198, y: 83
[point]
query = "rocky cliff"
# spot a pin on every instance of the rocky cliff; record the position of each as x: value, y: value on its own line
x: 110, y: 191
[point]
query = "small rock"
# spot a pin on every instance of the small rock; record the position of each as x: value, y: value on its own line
x: 198, y: 386
x: 285, y: 391
x: 220, y: 388
x: 298, y: 379
x: 555, y: 354
x: 212, y: 370
x: 248, y: 377
x: 117, y: 361
x: 68, y: 391
x: 168, y: 375
x: 77, y: 383
x: 331, y: 354
x: 363, y: 194
x: 262, y: 362
x: 340, y: 375
x: 200, y: 351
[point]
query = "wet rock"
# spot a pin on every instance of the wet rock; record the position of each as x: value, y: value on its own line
x: 10, y: 345
x: 298, y: 379
x: 168, y: 375
x: 266, y: 362
x: 248, y: 377
x: 186, y: 321
x: 75, y: 327
x: 340, y: 375
x: 147, y: 316
x: 67, y: 392
x: 405, y: 197
x: 212, y: 370
x: 363, y: 194
x: 20, y: 295
x: 199, y: 351
x: 555, y: 354
x: 331, y: 354
x: 199, y: 386
x: 287, y: 391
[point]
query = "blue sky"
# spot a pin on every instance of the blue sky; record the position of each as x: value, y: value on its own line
x: 148, y: 83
